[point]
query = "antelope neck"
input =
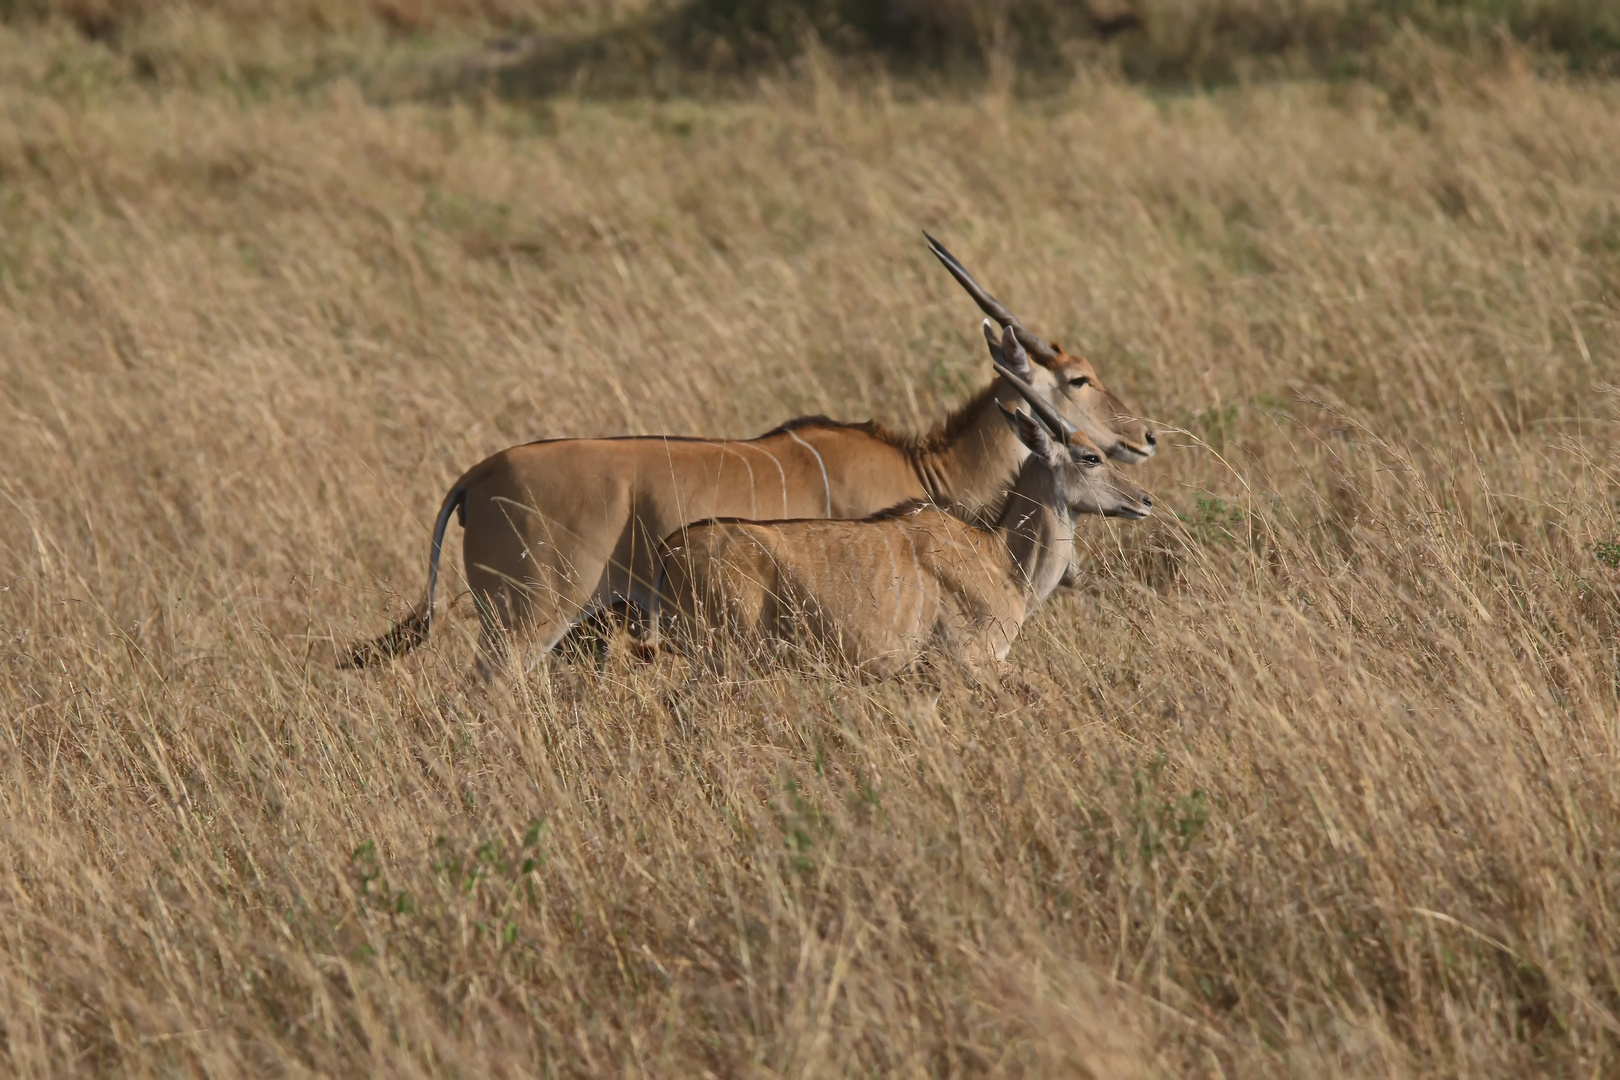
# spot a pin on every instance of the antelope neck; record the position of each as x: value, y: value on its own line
x: 1040, y: 539
x: 972, y: 473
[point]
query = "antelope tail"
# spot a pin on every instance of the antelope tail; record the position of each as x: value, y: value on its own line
x: 412, y: 630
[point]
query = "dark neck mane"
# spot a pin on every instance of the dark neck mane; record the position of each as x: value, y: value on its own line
x: 900, y: 510
x: 931, y: 441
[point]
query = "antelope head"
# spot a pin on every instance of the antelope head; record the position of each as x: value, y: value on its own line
x: 1086, y: 483
x: 1075, y: 388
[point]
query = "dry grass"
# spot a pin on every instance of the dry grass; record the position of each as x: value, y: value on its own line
x: 1317, y: 778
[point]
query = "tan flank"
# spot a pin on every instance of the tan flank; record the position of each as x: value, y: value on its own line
x: 882, y: 592
x: 558, y: 528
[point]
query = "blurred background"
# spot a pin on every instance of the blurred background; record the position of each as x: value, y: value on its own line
x: 631, y: 46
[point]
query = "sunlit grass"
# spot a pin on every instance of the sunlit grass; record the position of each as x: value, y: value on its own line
x: 1314, y: 774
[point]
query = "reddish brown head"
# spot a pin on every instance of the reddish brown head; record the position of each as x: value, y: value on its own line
x: 1085, y: 482
x: 1069, y: 382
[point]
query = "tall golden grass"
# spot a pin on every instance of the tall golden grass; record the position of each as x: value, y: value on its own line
x: 1315, y: 775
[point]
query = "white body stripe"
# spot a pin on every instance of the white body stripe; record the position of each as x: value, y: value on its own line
x: 894, y: 578
x: 824, y: 484
x: 753, y: 492
x: 780, y: 475
x: 922, y: 590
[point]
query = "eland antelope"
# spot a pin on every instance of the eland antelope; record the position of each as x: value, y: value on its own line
x: 559, y: 528
x: 881, y: 592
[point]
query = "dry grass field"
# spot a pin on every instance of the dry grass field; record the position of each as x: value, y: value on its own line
x: 1314, y: 775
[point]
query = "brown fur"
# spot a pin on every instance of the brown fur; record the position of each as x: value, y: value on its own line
x: 947, y: 431
x: 557, y: 528
x: 879, y: 592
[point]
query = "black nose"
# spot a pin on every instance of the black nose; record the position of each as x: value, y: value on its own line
x: 1152, y: 439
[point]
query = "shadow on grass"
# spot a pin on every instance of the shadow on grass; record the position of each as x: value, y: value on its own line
x: 711, y: 45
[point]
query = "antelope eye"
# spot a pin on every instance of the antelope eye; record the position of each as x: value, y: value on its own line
x: 1090, y: 461
x: 1079, y: 381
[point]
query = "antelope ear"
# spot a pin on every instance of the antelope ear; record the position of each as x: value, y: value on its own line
x: 1031, y: 432
x: 1016, y: 358
x: 993, y: 340
x: 1013, y: 350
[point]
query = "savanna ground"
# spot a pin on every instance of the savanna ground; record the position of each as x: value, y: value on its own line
x: 1314, y: 775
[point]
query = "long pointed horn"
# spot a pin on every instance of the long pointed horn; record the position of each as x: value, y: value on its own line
x: 987, y: 303
x: 1059, y: 427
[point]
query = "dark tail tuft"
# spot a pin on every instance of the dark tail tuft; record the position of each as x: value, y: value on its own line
x: 401, y: 638
x: 412, y: 630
